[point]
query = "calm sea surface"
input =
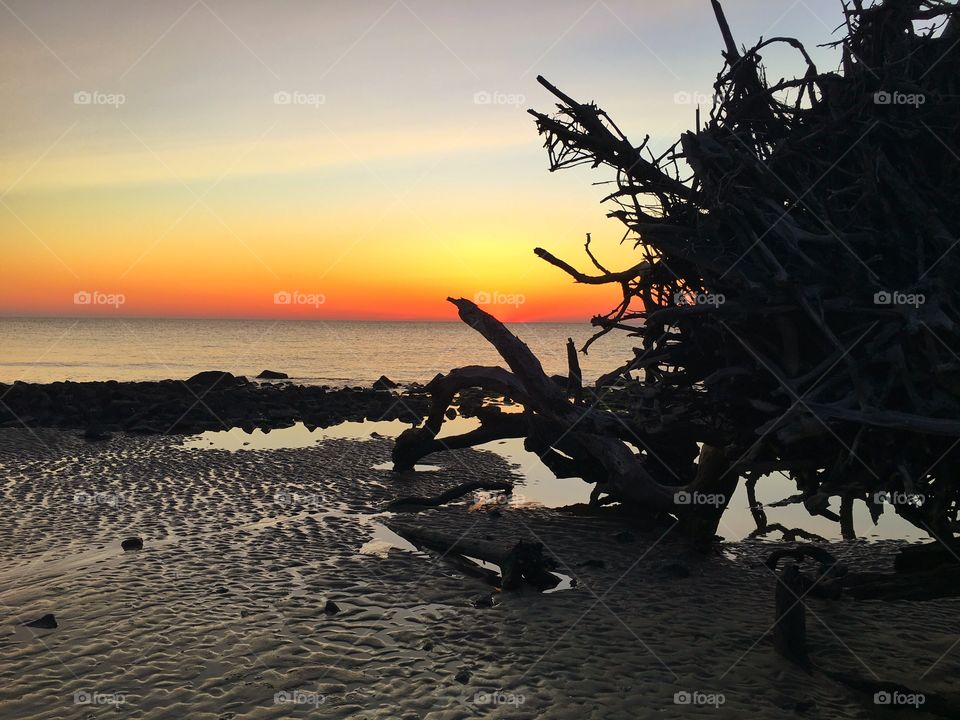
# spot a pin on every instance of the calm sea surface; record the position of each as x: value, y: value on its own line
x: 311, y: 352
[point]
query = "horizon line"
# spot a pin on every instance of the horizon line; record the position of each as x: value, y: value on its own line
x: 455, y: 321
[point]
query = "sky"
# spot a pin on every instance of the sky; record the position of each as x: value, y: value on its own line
x: 366, y: 159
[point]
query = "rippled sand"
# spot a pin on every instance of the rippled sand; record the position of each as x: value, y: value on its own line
x: 221, y: 615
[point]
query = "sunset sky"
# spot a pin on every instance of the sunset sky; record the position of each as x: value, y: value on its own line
x: 199, y: 157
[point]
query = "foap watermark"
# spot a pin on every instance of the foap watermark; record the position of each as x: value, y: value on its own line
x: 95, y: 97
x: 88, y: 697
x: 498, y: 697
x: 299, y: 697
x: 896, y: 697
x: 283, y: 297
x: 296, y: 97
x: 95, y: 297
x: 685, y: 97
x: 899, y: 498
x: 99, y: 498
x: 699, y: 698
x: 684, y: 497
x: 895, y: 297
x: 286, y: 499
x: 715, y: 299
x: 487, y: 97
x: 884, y: 97
x: 499, y: 298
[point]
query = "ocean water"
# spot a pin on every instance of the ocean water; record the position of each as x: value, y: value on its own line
x: 336, y: 352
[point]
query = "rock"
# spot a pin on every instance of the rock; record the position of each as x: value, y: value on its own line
x: 384, y: 383
x: 131, y: 544
x: 331, y: 608
x: 216, y: 379
x: 462, y: 677
x: 451, y: 413
x: 47, y: 622
x: 272, y: 375
x: 95, y: 434
x: 170, y: 406
x: 483, y: 601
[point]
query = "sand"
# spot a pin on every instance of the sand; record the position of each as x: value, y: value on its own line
x: 221, y: 615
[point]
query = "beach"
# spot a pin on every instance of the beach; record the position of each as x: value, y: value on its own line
x: 325, y: 394
x: 224, y: 612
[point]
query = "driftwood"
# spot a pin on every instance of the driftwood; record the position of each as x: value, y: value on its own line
x: 574, y: 375
x: 790, y: 641
x: 794, y: 297
x: 930, y: 585
x: 929, y: 556
x: 418, y: 502
x: 521, y: 563
x: 789, y: 534
x: 790, y: 628
x: 922, y: 573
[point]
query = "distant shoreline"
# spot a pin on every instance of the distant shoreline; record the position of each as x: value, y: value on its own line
x: 211, y: 400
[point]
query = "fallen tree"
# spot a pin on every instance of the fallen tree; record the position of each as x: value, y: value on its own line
x: 521, y: 563
x: 794, y: 302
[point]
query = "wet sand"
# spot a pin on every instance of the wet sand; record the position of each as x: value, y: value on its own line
x: 222, y: 614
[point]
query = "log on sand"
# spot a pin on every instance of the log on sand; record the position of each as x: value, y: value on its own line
x: 521, y: 563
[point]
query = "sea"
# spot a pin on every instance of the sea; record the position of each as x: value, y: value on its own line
x: 337, y: 353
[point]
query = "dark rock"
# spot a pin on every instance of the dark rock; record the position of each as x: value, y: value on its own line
x: 272, y: 375
x: 131, y: 544
x: 47, y: 622
x: 462, y: 677
x: 216, y: 379
x: 451, y: 413
x: 331, y: 608
x: 384, y: 383
x: 483, y: 601
x: 170, y: 406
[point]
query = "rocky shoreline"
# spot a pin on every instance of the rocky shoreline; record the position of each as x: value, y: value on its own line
x: 212, y: 400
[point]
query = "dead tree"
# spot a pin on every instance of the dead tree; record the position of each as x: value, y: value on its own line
x: 794, y: 301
